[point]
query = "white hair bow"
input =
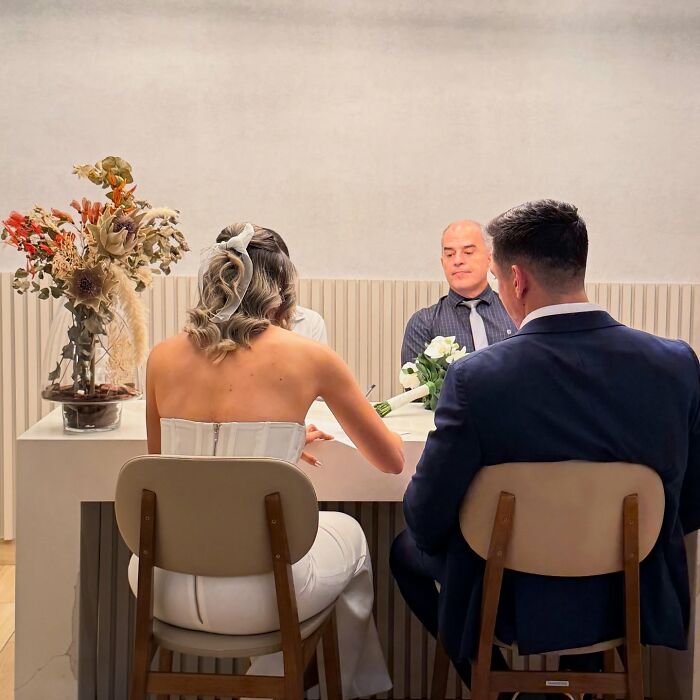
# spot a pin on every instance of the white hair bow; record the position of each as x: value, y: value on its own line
x: 239, y: 244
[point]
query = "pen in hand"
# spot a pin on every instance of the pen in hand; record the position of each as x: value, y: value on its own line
x: 370, y: 390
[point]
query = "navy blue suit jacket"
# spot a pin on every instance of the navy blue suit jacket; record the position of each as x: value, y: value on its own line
x: 572, y: 386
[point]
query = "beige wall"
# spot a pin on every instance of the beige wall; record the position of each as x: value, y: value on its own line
x: 358, y: 129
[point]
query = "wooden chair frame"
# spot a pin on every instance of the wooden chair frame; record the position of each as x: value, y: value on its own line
x: 486, y: 684
x: 297, y: 653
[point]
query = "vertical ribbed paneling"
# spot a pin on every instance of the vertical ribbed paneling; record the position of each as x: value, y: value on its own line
x: 365, y: 320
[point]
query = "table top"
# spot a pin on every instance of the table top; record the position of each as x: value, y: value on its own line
x: 89, y: 472
x: 412, y: 422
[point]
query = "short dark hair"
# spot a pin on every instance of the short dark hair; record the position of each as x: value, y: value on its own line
x: 548, y: 236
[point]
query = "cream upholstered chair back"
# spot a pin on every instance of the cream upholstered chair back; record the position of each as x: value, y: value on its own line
x: 210, y: 511
x: 568, y: 515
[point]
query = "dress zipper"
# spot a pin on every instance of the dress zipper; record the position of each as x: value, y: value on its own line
x: 217, y: 426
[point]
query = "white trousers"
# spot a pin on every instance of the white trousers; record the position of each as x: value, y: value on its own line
x: 337, y: 566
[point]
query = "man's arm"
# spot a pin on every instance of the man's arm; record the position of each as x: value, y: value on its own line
x: 451, y: 458
x: 690, y: 492
x: 415, y: 337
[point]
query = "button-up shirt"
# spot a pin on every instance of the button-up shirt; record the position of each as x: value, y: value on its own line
x: 310, y: 324
x: 451, y: 317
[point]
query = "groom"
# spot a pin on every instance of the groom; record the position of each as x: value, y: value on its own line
x: 573, y: 383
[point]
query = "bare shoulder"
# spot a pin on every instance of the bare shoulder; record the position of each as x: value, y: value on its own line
x: 170, y: 349
x: 276, y: 336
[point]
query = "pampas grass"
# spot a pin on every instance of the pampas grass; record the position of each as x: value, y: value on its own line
x: 127, y: 350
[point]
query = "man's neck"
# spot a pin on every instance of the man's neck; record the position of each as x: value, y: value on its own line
x: 472, y: 293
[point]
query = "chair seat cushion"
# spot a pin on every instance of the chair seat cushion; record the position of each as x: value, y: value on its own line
x: 226, y: 646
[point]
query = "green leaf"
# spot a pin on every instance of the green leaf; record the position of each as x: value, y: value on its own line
x: 94, y: 325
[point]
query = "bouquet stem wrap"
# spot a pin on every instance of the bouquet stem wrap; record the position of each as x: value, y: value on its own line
x: 395, y: 402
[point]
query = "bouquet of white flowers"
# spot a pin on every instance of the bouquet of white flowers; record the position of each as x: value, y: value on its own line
x: 424, y: 377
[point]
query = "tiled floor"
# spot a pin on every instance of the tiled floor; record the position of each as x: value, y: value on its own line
x: 7, y: 619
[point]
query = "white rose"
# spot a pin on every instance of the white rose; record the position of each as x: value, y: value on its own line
x: 456, y: 355
x: 439, y: 347
x: 434, y: 346
x: 408, y: 376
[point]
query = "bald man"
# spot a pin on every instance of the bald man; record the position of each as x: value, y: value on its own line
x: 471, y: 311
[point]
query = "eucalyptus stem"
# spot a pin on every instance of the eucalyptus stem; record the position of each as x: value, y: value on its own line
x: 92, y: 366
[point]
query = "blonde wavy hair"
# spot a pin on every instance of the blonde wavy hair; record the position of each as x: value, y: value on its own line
x: 269, y: 300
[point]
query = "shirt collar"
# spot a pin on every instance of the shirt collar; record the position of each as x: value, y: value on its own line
x: 299, y: 314
x: 486, y: 296
x: 557, y: 309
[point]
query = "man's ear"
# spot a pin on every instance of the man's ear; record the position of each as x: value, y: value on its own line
x: 520, y: 281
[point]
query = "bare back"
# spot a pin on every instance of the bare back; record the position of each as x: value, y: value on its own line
x: 276, y: 379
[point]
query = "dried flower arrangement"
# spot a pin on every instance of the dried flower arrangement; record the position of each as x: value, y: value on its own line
x: 99, y: 261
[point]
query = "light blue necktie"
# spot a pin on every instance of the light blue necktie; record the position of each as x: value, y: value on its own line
x: 477, y: 325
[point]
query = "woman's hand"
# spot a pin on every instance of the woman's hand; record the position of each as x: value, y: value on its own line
x: 313, y: 434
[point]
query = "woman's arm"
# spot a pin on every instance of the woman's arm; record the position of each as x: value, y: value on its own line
x: 338, y: 388
x: 152, y: 414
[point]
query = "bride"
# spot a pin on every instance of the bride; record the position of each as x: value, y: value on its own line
x: 237, y: 382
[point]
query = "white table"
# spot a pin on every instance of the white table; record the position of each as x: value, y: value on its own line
x: 56, y: 472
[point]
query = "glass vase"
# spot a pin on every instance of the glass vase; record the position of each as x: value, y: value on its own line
x: 90, y: 373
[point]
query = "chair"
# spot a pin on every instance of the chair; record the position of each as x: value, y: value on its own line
x: 222, y: 517
x: 559, y: 519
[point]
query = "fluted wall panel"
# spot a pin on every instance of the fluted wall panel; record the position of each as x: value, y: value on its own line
x: 365, y: 320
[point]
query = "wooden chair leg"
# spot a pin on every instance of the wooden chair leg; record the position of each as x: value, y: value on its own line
x: 493, y: 578
x: 139, y: 674
x: 609, y: 667
x: 635, y: 680
x: 311, y: 673
x: 441, y: 667
x: 165, y: 665
x: 630, y: 547
x: 143, y: 638
x: 331, y: 660
x: 293, y: 657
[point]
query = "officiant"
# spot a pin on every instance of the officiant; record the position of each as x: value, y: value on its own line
x: 471, y: 311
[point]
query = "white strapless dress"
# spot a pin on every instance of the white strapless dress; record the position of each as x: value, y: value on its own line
x: 337, y: 566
